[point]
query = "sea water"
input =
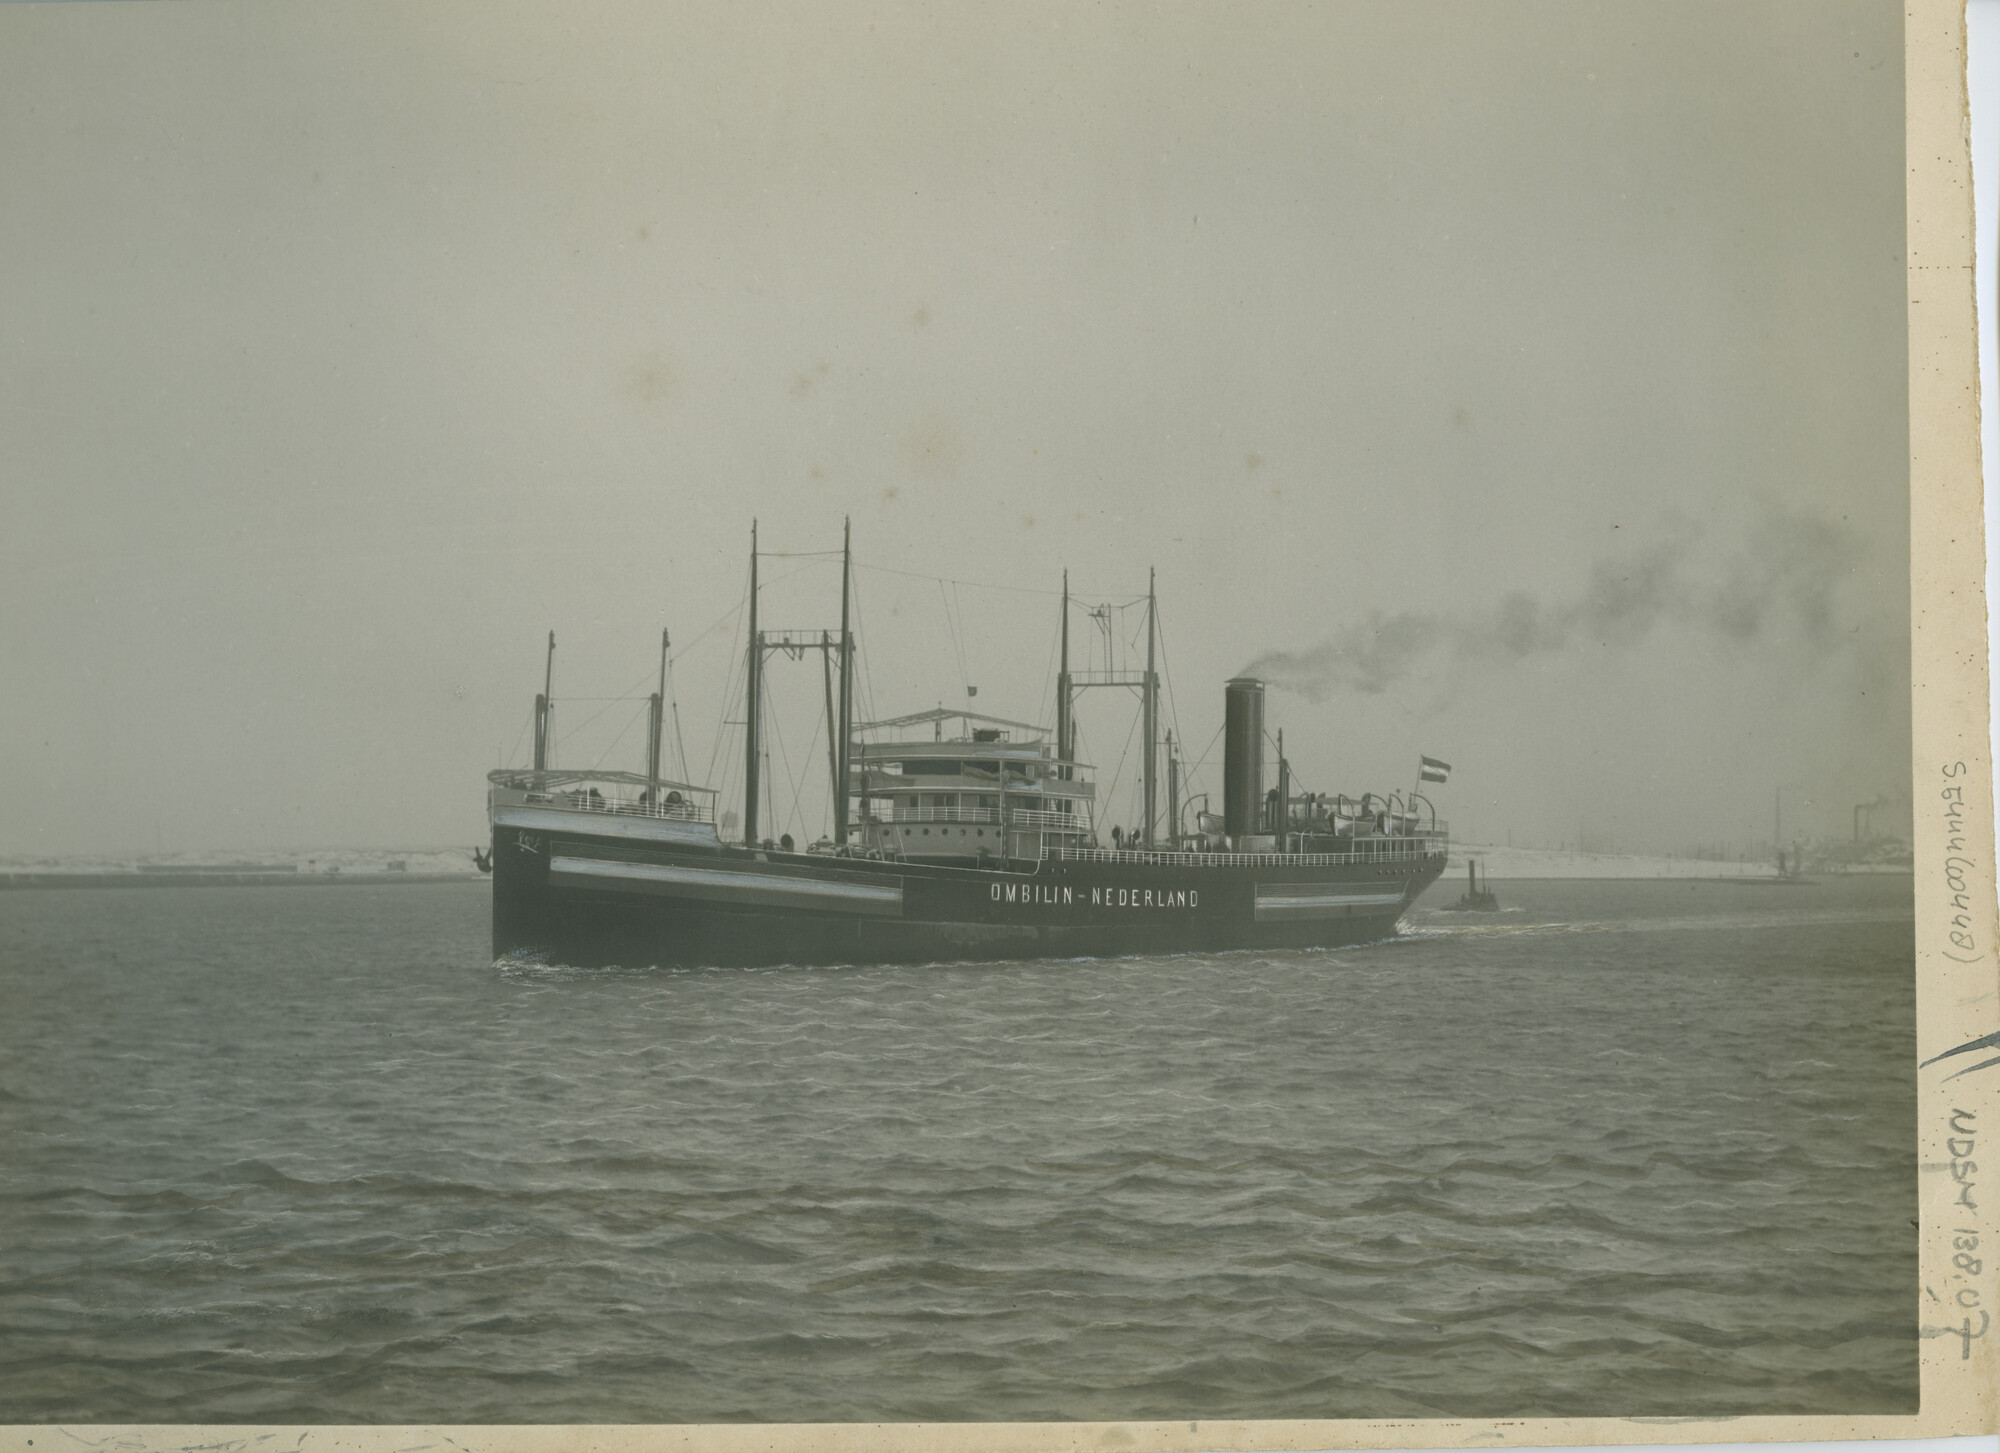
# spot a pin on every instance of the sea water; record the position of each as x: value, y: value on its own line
x: 290, y: 1154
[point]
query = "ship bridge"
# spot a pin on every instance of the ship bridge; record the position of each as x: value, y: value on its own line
x: 976, y: 788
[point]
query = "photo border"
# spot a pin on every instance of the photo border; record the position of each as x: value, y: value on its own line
x: 1958, y: 976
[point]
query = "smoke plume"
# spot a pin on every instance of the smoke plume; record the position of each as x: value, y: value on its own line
x: 1786, y: 576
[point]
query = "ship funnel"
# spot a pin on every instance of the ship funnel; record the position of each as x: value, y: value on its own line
x: 1242, y: 756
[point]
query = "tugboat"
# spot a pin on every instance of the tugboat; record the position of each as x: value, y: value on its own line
x: 1474, y: 899
x: 955, y: 836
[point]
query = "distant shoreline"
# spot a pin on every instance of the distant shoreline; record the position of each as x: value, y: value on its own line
x: 1745, y: 880
x: 196, y: 879
x: 1501, y: 863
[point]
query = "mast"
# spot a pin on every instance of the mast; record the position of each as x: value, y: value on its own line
x: 680, y: 748
x: 1150, y: 696
x: 841, y: 767
x: 1283, y: 826
x: 832, y: 722
x: 752, y: 692
x: 1063, y: 729
x: 655, y: 725
x: 542, y: 706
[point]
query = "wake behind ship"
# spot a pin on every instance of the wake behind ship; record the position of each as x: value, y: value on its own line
x: 978, y: 844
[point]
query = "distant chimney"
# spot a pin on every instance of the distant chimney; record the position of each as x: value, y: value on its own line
x: 1242, y: 756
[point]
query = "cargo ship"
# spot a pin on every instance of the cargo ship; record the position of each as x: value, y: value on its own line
x: 954, y: 836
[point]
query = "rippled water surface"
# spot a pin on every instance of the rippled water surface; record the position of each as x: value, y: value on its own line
x: 305, y: 1154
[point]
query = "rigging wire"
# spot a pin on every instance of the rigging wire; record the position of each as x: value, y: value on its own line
x: 788, y: 575
x: 1130, y: 732
x: 737, y: 663
x: 715, y: 747
x: 735, y: 610
x: 957, y: 643
x: 680, y: 742
x: 784, y: 760
x: 515, y: 755
x: 1045, y: 704
x: 1082, y: 742
x: 798, y: 779
x: 617, y: 739
x: 794, y: 779
x: 981, y: 584
x: 609, y: 702
x: 1173, y: 702
x: 713, y: 626
x: 954, y: 610
x: 1206, y: 750
x: 627, y: 695
x: 1116, y: 614
x: 867, y: 681
x: 735, y: 692
x: 1116, y: 624
x: 739, y: 669
x: 674, y: 701
x: 965, y: 675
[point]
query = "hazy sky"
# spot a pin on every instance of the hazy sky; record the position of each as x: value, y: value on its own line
x: 1529, y: 379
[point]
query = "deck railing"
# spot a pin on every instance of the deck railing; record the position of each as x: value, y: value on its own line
x: 1042, y: 818
x: 1364, y: 850
x: 943, y: 814
x: 619, y: 807
x: 1016, y: 817
x: 617, y: 794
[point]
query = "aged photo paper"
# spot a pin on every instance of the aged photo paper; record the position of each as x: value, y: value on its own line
x: 266, y: 498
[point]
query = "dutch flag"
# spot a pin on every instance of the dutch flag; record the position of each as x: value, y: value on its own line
x: 1430, y: 769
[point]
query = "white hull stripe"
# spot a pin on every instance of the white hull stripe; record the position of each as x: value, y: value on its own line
x: 1321, y: 904
x: 773, y: 890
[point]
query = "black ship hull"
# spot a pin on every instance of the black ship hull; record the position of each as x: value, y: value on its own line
x: 574, y: 894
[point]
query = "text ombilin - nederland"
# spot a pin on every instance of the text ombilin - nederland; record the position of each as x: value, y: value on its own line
x: 1099, y: 897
